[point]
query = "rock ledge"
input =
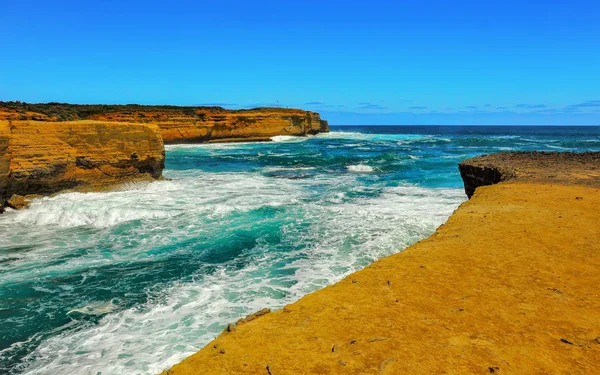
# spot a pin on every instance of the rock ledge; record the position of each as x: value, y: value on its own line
x: 566, y: 168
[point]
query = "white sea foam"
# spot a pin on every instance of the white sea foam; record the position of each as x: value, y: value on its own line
x: 295, y: 168
x: 161, y: 199
x: 289, y: 138
x: 399, y: 138
x: 559, y: 147
x: 185, y: 207
x: 76, y: 209
x: 209, y: 146
x: 95, y: 308
x: 179, y: 319
x: 334, y: 232
x: 343, y: 135
x: 360, y: 168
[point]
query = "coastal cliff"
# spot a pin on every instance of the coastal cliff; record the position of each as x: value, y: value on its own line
x: 182, y: 124
x: 549, y: 167
x: 4, y: 162
x: 47, y: 148
x: 219, y: 125
x: 508, y: 285
x: 42, y: 158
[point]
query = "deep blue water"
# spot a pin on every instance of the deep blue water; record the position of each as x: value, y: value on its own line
x: 133, y: 281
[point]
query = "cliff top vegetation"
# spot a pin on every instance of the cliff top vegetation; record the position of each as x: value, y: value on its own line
x: 55, y: 111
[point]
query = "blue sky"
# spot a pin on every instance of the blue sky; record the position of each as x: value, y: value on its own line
x: 356, y: 62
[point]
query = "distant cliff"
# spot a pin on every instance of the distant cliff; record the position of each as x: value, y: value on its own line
x: 181, y: 124
x: 43, y: 158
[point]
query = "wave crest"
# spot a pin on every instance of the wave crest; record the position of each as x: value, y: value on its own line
x: 360, y: 168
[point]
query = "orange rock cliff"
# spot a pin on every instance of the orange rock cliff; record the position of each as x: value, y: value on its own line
x: 43, y: 158
x: 47, y: 148
x: 182, y: 124
x: 219, y: 125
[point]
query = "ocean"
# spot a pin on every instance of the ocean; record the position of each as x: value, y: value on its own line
x: 134, y: 280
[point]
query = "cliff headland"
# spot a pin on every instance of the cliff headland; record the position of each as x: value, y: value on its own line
x: 53, y: 147
x: 181, y: 124
x: 508, y: 285
x: 42, y: 158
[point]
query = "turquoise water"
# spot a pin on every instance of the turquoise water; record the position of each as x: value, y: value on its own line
x: 133, y: 281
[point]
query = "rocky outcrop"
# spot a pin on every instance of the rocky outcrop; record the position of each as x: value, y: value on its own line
x: 219, y: 125
x: 183, y: 124
x: 548, y: 167
x: 47, y: 157
x: 47, y: 148
x: 17, y: 201
x: 512, y: 274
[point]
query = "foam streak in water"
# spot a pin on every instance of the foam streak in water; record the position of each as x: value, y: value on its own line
x: 328, y: 242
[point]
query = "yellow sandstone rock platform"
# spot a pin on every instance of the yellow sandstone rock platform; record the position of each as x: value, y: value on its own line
x: 509, y: 285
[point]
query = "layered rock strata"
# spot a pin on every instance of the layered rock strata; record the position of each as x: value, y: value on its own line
x: 47, y: 148
x: 47, y: 157
x: 508, y: 285
x: 232, y: 126
x: 183, y: 124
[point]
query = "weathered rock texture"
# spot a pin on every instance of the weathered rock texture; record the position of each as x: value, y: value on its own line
x: 47, y: 157
x: 183, y: 124
x: 47, y: 148
x: 548, y: 167
x: 4, y: 161
x: 508, y: 285
x: 219, y: 125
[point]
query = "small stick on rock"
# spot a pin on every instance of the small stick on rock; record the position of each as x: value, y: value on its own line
x: 567, y: 341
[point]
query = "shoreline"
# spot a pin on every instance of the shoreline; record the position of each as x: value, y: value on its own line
x: 50, y: 148
x: 508, y: 284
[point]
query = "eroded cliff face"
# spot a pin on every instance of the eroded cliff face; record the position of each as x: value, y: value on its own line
x: 183, y: 124
x: 4, y: 161
x: 218, y: 125
x: 47, y: 157
x: 104, y: 145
